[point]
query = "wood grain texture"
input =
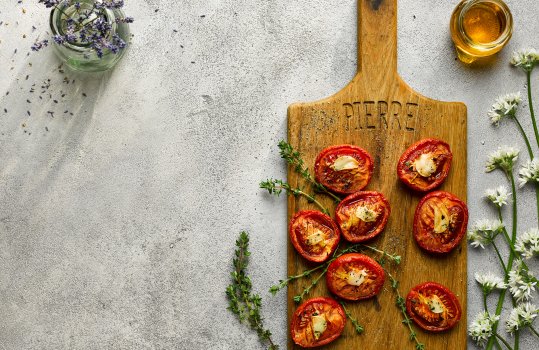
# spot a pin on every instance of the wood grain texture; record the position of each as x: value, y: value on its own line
x: 380, y: 113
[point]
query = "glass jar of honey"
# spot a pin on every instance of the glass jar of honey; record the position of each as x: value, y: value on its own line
x: 480, y: 28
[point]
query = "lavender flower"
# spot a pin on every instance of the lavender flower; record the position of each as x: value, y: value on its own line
x: 38, y: 45
x: 89, y: 26
x: 51, y: 3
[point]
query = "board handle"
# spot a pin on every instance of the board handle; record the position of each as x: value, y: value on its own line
x: 377, y: 39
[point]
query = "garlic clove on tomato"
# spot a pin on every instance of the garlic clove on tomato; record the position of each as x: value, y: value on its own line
x: 345, y: 163
x: 424, y: 165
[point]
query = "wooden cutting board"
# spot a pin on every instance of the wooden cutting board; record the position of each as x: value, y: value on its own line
x: 382, y: 114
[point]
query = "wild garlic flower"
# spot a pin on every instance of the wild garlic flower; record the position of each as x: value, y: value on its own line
x: 484, y: 232
x: 504, y: 106
x: 481, y: 328
x: 489, y: 282
x: 504, y: 158
x: 529, y: 172
x: 528, y: 243
x: 522, y: 316
x: 521, y: 282
x: 525, y: 59
x: 498, y: 196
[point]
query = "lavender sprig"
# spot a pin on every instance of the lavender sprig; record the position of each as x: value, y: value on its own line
x: 88, y: 26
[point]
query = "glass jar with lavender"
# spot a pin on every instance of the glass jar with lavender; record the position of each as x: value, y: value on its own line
x: 89, y: 35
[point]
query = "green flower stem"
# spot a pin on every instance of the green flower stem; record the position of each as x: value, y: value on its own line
x: 486, y: 309
x: 530, y: 103
x: 537, y: 201
x: 500, y: 258
x: 509, y: 265
x: 506, y: 235
x: 528, y: 146
x: 512, y: 248
x: 534, y: 331
x: 498, y: 346
x: 515, y: 208
x: 534, y: 122
x: 517, y: 336
x: 504, y: 342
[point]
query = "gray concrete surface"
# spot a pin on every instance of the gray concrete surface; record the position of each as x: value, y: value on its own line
x: 117, y: 223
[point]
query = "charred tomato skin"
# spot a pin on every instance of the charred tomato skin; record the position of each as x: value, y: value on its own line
x: 368, y: 230
x: 413, y: 304
x: 316, y: 218
x: 426, y: 239
x: 414, y: 152
x: 343, y: 183
x: 372, y: 286
x: 306, y: 309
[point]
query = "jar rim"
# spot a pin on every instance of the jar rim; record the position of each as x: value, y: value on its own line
x: 55, y: 18
x: 502, y: 38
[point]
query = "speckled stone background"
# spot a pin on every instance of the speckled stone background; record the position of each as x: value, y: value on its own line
x: 120, y: 202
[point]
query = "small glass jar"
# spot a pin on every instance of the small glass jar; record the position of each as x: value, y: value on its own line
x: 480, y: 28
x: 81, y: 56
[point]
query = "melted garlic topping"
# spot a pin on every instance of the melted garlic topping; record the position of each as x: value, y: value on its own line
x: 316, y: 237
x: 366, y: 214
x: 435, y: 304
x: 356, y: 278
x: 441, y: 218
x: 345, y: 163
x: 319, y: 325
x: 424, y: 165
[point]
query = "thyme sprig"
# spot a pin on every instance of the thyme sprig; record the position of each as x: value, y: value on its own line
x: 293, y: 158
x: 242, y: 301
x: 359, y: 328
x: 276, y: 187
x: 283, y: 283
x: 298, y: 298
x: 396, y: 259
x: 401, y: 304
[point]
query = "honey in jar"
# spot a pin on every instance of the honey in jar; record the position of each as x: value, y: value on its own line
x: 480, y: 28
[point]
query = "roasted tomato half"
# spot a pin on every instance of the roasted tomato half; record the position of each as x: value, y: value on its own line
x: 440, y: 222
x: 317, y: 322
x: 343, y: 169
x: 362, y: 215
x: 355, y: 277
x: 425, y: 164
x: 314, y: 235
x: 433, y: 307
